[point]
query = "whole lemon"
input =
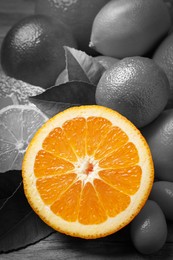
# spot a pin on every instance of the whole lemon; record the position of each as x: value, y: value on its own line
x: 162, y: 193
x: 77, y: 14
x: 32, y: 50
x: 149, y: 229
x: 124, y: 28
x: 159, y: 135
x: 170, y: 8
x: 136, y: 87
x: 163, y: 56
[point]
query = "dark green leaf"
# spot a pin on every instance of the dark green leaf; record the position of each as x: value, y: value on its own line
x: 73, y: 67
x: 50, y: 108
x: 80, y: 66
x: 58, y: 98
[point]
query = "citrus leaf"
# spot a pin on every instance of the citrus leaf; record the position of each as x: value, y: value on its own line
x: 74, y: 59
x: 2, y: 201
x: 19, y: 225
x: 50, y: 108
x: 9, y: 181
x: 93, y: 70
x: 73, y: 92
x: 58, y: 98
x: 80, y: 66
x: 62, y: 78
x: 32, y: 229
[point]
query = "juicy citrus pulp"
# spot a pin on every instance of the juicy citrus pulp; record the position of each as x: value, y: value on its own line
x: 87, y: 172
x: 18, y: 123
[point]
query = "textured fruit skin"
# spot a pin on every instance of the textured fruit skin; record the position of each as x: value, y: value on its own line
x: 77, y: 14
x: 159, y: 135
x: 169, y: 4
x: 149, y: 229
x: 136, y: 87
x: 124, y: 28
x: 162, y: 193
x: 32, y: 50
x: 163, y: 56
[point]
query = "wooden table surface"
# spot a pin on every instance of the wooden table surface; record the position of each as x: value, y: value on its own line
x: 58, y: 246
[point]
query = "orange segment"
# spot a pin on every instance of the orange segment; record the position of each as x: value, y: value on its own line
x: 91, y: 210
x: 67, y: 205
x: 126, y: 180
x: 113, y: 200
x: 97, y: 128
x: 125, y: 156
x: 88, y: 171
x: 57, y: 144
x: 50, y: 188
x: 75, y: 131
x: 6, y: 134
x: 6, y: 147
x: 46, y: 164
x: 113, y: 140
x: 8, y: 120
x: 28, y: 126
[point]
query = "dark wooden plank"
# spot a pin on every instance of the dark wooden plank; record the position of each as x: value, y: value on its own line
x: 116, y: 246
x: 59, y: 246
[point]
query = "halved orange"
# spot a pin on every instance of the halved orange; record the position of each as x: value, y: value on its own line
x: 87, y: 172
x: 18, y: 123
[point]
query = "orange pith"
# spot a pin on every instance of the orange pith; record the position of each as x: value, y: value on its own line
x: 86, y: 171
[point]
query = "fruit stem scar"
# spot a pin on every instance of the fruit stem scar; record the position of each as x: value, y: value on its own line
x: 91, y: 45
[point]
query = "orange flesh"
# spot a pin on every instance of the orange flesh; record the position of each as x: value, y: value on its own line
x: 89, y: 195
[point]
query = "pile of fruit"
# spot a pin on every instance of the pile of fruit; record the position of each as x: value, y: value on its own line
x: 106, y: 161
